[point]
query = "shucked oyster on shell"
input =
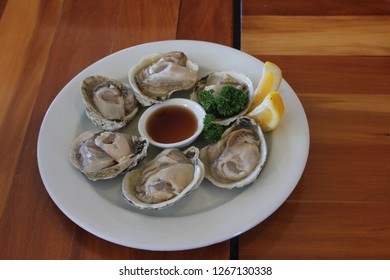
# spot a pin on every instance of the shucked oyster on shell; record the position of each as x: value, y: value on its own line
x: 237, y: 159
x: 216, y: 81
x: 109, y: 103
x: 105, y: 154
x: 170, y: 176
x: 157, y: 76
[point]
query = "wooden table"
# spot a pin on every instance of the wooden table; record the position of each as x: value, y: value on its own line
x: 334, y: 55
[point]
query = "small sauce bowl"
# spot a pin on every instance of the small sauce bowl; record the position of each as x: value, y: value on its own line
x: 175, y: 123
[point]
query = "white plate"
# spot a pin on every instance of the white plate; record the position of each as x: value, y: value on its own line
x: 210, y: 215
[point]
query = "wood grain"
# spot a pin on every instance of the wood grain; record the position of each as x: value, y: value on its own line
x: 356, y: 139
x: 210, y: 20
x: 26, y: 52
x: 322, y: 231
x: 66, y: 37
x: 312, y: 35
x: 318, y: 8
x: 336, y: 56
x: 2, y: 6
x: 158, y: 23
x: 336, y: 74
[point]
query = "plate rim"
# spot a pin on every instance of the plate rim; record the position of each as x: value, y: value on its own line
x: 199, y: 243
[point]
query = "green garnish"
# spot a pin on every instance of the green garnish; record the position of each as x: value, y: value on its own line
x: 207, y: 100
x: 227, y: 103
x: 211, y: 131
x: 230, y: 101
x: 224, y: 104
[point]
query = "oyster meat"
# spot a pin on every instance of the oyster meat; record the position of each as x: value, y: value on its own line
x: 159, y: 75
x: 216, y: 81
x: 105, y: 154
x: 237, y: 159
x: 109, y: 103
x: 163, y: 181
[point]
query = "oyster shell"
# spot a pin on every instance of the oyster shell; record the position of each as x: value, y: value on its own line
x: 237, y: 159
x: 169, y: 177
x: 109, y: 103
x: 159, y: 75
x: 219, y: 79
x: 105, y: 154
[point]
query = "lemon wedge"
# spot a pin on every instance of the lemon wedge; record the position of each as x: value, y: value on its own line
x: 269, y: 82
x: 269, y: 112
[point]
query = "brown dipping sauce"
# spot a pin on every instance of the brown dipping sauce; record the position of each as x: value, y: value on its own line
x: 171, y: 124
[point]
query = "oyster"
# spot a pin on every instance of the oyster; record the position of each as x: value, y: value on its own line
x: 237, y: 159
x: 169, y: 177
x: 109, y: 103
x: 105, y: 154
x: 159, y: 75
x: 216, y: 81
